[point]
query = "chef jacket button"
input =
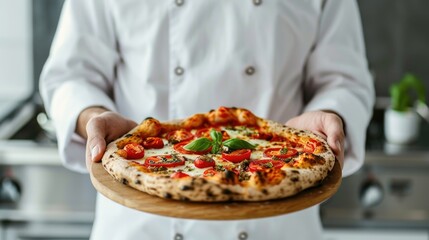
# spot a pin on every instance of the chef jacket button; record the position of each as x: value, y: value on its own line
x: 257, y: 2
x: 178, y: 236
x: 180, y: 2
x: 250, y: 70
x: 242, y: 236
x: 179, y: 71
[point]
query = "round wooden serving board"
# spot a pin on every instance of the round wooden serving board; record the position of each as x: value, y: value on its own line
x: 130, y: 197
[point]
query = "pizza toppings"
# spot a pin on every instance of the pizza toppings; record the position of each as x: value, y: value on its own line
x: 217, y: 141
x: 209, y: 172
x: 132, y: 151
x: 205, y: 132
x: 203, y: 144
x: 153, y: 142
x: 227, y: 147
x: 237, y: 155
x: 280, y: 153
x: 236, y: 143
x: 204, y: 162
x: 265, y: 164
x: 181, y: 148
x: 311, y: 145
x: 198, y: 145
x: 166, y: 161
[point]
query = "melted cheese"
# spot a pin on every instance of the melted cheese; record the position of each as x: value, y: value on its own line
x: 189, y: 166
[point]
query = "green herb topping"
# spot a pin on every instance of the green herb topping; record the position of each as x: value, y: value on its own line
x: 202, y: 144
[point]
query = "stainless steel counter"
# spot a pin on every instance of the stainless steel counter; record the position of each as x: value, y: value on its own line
x: 389, y: 191
x: 39, y: 198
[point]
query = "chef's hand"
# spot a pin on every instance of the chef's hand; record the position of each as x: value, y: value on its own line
x: 327, y: 124
x: 100, y: 126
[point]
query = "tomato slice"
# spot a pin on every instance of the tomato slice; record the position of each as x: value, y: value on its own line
x: 179, y: 175
x: 134, y: 151
x: 180, y: 135
x: 237, y: 155
x: 164, y: 161
x: 265, y: 164
x: 205, y: 132
x: 280, y: 153
x: 153, y: 142
x: 311, y: 145
x: 179, y: 148
x: 209, y: 172
x: 204, y: 162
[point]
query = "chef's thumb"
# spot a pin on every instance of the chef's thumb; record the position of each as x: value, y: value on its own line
x: 96, y: 143
x: 336, y: 142
x: 334, y: 130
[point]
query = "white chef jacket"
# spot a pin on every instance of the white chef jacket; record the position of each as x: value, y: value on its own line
x: 172, y: 58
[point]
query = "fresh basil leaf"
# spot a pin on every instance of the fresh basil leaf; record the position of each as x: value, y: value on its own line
x: 235, y: 144
x: 215, y: 149
x: 216, y: 136
x: 217, y: 141
x: 198, y: 145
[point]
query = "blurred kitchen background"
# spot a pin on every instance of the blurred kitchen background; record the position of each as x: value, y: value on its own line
x: 39, y: 199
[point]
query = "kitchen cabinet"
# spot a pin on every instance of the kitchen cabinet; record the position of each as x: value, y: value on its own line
x: 359, y: 234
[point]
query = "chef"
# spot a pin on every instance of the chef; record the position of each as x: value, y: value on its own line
x: 114, y: 63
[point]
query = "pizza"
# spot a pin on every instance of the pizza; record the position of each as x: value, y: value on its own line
x: 227, y: 154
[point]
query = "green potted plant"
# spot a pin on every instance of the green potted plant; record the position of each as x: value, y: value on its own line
x: 401, y: 121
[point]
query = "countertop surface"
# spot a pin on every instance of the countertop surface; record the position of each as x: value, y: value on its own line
x: 392, y: 182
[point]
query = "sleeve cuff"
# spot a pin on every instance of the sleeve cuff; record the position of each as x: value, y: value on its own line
x: 68, y: 102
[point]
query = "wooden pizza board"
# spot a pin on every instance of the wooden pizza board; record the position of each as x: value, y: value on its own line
x: 130, y: 197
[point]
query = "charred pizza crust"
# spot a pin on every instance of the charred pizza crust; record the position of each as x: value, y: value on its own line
x: 309, y: 168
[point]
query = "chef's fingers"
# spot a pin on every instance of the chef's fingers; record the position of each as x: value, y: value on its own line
x: 103, y: 129
x: 327, y: 124
x: 96, y: 129
x: 333, y: 128
x: 117, y: 126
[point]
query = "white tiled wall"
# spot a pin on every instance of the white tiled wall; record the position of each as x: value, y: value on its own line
x: 16, y: 62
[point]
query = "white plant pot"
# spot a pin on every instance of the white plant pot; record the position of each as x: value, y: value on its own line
x: 401, y: 127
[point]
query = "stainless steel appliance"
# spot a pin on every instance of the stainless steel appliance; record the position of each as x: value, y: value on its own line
x: 39, y: 198
x: 388, y: 195
x: 390, y: 191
